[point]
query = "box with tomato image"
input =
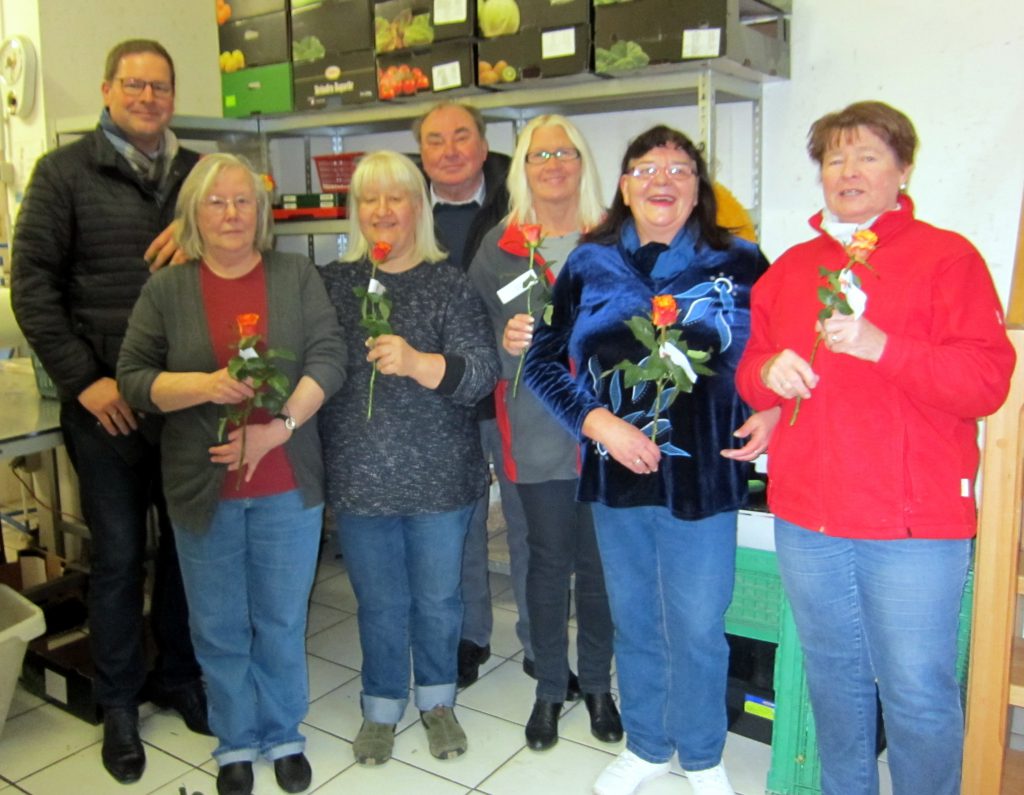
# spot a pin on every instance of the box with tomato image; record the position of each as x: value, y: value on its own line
x: 336, y: 80
x: 533, y: 53
x: 507, y: 17
x: 443, y: 67
x: 320, y: 27
x: 630, y: 34
x: 407, y: 24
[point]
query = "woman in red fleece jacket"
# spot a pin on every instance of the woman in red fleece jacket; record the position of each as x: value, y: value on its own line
x: 872, y: 468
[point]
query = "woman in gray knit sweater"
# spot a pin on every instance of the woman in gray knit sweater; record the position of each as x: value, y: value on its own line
x: 402, y: 479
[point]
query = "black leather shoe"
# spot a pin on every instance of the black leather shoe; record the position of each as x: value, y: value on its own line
x: 293, y: 772
x: 573, y: 692
x: 188, y: 700
x: 235, y: 778
x: 605, y: 723
x: 471, y: 657
x: 123, y: 754
x: 542, y: 727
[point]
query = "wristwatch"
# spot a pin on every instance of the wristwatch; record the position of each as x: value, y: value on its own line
x: 289, y: 421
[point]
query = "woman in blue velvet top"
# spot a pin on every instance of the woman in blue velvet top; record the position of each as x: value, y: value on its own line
x: 664, y: 509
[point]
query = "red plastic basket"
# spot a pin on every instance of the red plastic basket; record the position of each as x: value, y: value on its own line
x: 335, y: 171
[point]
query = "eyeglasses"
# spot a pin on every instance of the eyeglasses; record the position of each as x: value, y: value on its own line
x: 220, y: 204
x: 133, y: 87
x: 543, y: 156
x: 676, y: 171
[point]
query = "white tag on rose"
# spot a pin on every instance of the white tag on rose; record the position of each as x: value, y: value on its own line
x: 375, y: 287
x: 248, y: 353
x: 517, y: 286
x: 678, y: 358
x: 855, y: 297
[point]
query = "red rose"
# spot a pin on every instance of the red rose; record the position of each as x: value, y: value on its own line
x: 248, y: 324
x: 531, y: 233
x: 380, y: 251
x: 663, y: 311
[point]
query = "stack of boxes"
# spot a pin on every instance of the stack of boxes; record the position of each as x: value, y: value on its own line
x: 344, y: 52
x: 255, y: 65
x: 332, y: 53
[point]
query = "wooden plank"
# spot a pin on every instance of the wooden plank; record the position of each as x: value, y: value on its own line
x: 1015, y: 308
x: 1013, y: 774
x: 1017, y: 673
x: 995, y: 588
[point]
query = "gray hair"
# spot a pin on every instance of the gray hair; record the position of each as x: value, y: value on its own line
x: 478, y: 119
x: 382, y: 171
x: 194, y: 190
x: 590, y: 210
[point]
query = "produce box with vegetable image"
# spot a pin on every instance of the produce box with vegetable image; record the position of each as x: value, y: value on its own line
x: 323, y: 27
x: 506, y: 17
x: 254, y: 41
x: 337, y: 80
x: 630, y: 34
x: 533, y: 53
x: 241, y: 9
x: 408, y: 24
x: 262, y: 89
x: 441, y: 67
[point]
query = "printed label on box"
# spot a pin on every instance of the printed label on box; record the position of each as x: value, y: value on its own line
x: 56, y: 686
x: 450, y: 12
x: 446, y: 75
x: 557, y: 43
x: 702, y: 42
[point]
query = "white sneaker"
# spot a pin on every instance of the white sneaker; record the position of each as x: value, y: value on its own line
x: 712, y: 781
x: 627, y: 774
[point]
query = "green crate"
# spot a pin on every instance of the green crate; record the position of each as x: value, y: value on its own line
x: 44, y: 383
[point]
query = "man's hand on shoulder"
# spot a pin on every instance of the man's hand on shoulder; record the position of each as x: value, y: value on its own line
x: 103, y: 400
x: 164, y: 249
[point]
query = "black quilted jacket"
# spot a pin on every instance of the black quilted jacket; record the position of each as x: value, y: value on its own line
x: 77, y: 265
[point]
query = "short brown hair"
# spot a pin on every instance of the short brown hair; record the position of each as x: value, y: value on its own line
x: 889, y: 124
x: 475, y: 114
x: 135, y: 47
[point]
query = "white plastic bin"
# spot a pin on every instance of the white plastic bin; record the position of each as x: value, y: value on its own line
x: 20, y: 622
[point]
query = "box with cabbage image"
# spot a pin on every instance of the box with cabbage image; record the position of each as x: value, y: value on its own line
x: 507, y: 17
x: 631, y: 34
x: 320, y: 27
x: 411, y: 24
x: 337, y: 79
x: 506, y: 61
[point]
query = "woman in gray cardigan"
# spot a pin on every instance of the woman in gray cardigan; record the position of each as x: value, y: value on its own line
x: 246, y: 507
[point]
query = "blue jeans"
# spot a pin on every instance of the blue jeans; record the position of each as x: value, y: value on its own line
x: 885, y: 612
x: 562, y: 542
x: 669, y: 584
x: 405, y: 574
x: 119, y: 481
x: 478, y: 620
x: 248, y: 579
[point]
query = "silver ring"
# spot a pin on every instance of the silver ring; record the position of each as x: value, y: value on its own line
x: 833, y: 337
x: 638, y: 462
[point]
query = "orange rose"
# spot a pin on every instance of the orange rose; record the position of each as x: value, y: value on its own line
x: 862, y: 245
x: 663, y: 311
x: 380, y: 251
x: 248, y: 324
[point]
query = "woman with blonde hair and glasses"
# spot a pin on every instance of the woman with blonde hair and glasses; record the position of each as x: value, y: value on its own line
x: 246, y: 509
x: 554, y: 196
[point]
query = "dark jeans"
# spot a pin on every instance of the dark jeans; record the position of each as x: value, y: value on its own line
x: 119, y: 479
x: 560, y: 534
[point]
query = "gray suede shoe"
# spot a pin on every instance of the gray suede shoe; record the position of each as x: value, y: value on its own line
x: 374, y: 743
x: 445, y: 735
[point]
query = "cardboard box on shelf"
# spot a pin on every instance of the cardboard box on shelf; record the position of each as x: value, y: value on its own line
x: 321, y: 28
x: 264, y: 89
x: 409, y: 24
x: 261, y: 40
x: 507, y: 17
x: 630, y: 34
x: 240, y: 9
x: 533, y: 53
x: 338, y: 79
x: 441, y: 67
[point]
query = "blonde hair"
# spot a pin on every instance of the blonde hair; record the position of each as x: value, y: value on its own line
x: 197, y: 185
x: 383, y: 171
x: 521, y: 211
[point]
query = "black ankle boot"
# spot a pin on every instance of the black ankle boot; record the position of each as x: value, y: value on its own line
x: 293, y: 772
x: 542, y: 727
x: 235, y: 778
x: 605, y: 723
x: 123, y: 754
